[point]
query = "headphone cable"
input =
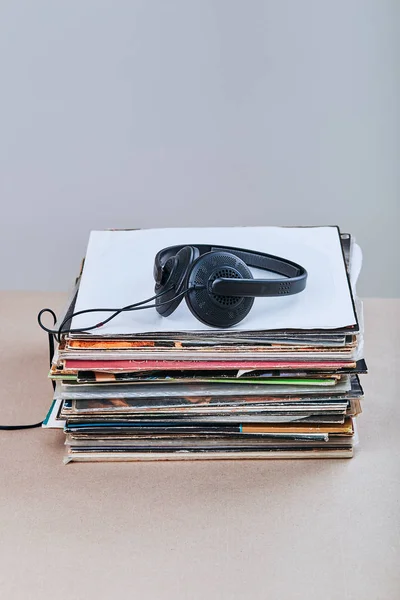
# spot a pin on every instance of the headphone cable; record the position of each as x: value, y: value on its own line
x: 57, y: 333
x: 51, y: 354
x: 116, y: 311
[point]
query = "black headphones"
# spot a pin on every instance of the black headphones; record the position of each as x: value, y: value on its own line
x: 217, y: 283
x: 215, y: 280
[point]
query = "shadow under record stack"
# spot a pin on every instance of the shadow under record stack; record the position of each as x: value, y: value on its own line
x: 144, y: 387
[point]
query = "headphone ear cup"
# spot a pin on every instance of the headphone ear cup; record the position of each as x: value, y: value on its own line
x: 213, y: 309
x: 174, y: 275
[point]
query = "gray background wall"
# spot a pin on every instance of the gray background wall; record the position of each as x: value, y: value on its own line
x: 128, y: 113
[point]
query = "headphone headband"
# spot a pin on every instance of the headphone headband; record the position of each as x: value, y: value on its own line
x: 293, y: 281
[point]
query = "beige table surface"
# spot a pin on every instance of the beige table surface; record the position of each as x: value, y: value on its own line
x: 328, y: 530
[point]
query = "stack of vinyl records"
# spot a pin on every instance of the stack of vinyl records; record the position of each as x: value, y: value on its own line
x: 162, y: 384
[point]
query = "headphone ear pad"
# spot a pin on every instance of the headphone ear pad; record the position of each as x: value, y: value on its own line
x: 174, y: 276
x: 213, y: 309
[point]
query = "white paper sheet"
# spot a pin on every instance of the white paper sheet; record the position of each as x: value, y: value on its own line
x: 119, y: 271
